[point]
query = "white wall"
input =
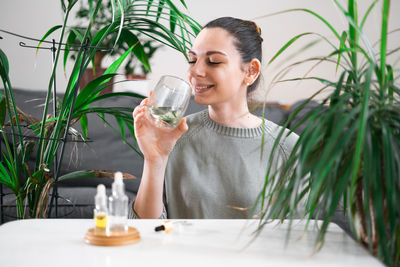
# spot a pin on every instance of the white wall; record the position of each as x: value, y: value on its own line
x: 34, y: 18
x: 30, y: 18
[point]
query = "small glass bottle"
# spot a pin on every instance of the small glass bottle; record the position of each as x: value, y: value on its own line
x: 101, y: 212
x: 118, y: 205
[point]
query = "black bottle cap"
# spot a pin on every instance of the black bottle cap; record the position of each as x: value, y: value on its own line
x: 159, y: 228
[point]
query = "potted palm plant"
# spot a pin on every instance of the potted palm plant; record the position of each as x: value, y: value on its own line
x: 349, y: 152
x: 133, y: 31
x: 32, y: 184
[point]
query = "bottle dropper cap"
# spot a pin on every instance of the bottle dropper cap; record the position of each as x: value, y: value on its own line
x: 118, y: 185
x: 118, y: 177
x: 100, y: 197
x: 101, y: 189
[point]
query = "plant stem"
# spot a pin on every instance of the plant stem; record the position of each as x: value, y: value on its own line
x: 20, y: 206
x: 373, y: 226
x: 41, y: 146
x: 359, y: 205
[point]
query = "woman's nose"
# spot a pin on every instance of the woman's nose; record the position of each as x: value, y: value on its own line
x: 197, y: 69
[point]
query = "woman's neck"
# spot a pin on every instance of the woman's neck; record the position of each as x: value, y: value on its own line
x: 238, y: 116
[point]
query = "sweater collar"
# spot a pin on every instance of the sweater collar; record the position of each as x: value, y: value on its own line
x: 233, y: 131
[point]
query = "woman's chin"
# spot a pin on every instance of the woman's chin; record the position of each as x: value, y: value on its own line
x: 200, y: 100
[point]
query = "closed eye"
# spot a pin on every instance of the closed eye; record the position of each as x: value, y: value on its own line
x: 209, y: 62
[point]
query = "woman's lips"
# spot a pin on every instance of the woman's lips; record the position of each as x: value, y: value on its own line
x: 198, y: 89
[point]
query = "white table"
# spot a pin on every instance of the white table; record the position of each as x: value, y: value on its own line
x: 59, y: 242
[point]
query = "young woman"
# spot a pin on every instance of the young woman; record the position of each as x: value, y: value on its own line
x: 211, y: 165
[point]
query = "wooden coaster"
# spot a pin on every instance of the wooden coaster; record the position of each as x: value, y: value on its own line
x: 115, y: 238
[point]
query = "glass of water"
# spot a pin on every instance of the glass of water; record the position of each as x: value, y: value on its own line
x: 169, y: 101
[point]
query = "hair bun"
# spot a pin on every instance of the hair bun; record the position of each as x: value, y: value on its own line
x: 258, y: 29
x: 255, y: 26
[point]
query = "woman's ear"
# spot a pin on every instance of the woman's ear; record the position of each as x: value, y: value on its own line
x: 253, y: 71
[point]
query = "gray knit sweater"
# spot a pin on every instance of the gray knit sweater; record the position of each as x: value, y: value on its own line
x: 216, y: 171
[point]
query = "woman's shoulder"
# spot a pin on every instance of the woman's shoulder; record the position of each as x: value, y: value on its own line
x: 195, y: 122
x: 196, y: 118
x: 288, y: 138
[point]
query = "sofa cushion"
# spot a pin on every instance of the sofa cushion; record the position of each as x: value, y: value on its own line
x: 297, y: 120
x: 272, y: 112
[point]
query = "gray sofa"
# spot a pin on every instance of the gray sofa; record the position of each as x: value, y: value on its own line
x: 105, y: 151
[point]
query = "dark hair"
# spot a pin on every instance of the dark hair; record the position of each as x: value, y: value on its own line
x: 247, y: 39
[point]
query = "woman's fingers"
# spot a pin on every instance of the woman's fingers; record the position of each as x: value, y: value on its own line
x: 140, y: 121
x: 139, y: 116
x: 181, y: 128
x: 137, y: 110
x: 144, y: 101
x: 141, y: 107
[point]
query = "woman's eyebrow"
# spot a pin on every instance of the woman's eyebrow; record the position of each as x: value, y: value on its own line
x: 209, y: 53
x: 215, y: 52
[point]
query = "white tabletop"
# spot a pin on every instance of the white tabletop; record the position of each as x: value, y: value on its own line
x: 59, y: 242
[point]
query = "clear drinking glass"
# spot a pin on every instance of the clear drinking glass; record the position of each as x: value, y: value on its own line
x: 169, y: 101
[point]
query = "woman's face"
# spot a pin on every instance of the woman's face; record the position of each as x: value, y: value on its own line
x: 216, y: 72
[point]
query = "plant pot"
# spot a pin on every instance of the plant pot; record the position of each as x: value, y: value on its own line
x: 91, y: 74
x: 135, y: 77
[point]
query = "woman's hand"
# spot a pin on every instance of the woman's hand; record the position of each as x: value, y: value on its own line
x: 155, y: 142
